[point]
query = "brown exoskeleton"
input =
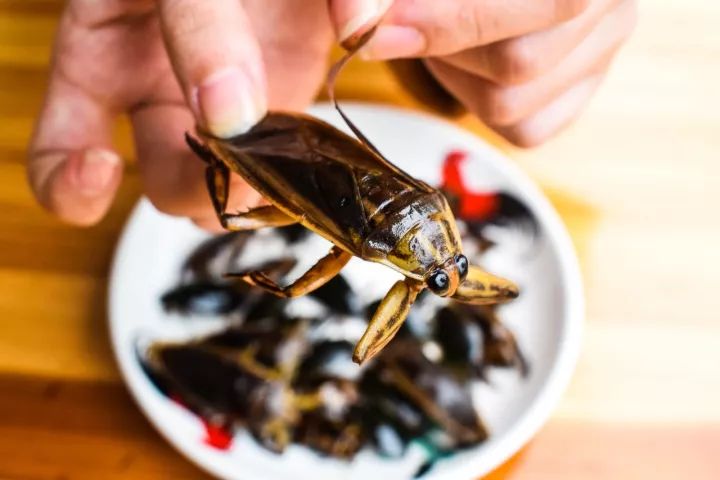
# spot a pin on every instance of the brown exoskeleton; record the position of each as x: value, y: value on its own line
x: 344, y: 190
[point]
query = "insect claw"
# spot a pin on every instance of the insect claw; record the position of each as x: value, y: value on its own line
x: 365, y: 351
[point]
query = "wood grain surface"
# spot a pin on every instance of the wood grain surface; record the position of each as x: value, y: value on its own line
x: 636, y: 179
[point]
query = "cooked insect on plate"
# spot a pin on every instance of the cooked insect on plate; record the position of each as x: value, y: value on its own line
x: 279, y: 369
x: 346, y: 191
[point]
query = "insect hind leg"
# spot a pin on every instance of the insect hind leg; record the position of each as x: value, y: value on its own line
x: 319, y: 274
x: 255, y: 218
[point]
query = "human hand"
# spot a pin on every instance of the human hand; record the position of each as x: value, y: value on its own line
x: 228, y: 60
x: 525, y: 68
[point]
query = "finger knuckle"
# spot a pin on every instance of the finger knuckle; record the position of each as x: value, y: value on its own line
x: 515, y: 62
x: 498, y: 105
x: 524, y: 137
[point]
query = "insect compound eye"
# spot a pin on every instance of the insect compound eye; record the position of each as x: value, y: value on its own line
x: 439, y: 282
x: 462, y: 265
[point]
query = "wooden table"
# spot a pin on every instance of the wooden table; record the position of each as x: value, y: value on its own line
x: 637, y: 180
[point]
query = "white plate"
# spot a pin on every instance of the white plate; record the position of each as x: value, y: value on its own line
x: 546, y: 319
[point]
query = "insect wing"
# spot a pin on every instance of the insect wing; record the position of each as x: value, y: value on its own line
x: 311, y: 169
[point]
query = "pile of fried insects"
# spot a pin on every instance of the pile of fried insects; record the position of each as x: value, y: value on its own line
x: 286, y: 375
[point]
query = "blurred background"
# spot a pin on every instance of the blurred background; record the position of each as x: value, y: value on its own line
x: 636, y: 179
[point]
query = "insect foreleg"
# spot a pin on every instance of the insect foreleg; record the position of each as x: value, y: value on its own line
x: 483, y: 288
x: 218, y: 182
x: 387, y: 320
x: 217, y: 177
x: 318, y: 275
x: 259, y: 217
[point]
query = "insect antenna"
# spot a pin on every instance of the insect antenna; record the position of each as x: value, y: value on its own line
x: 331, y: 78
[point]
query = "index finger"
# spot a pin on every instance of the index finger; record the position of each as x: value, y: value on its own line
x: 413, y: 28
x: 218, y: 61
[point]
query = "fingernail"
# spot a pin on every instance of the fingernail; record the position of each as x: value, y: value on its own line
x: 361, y: 15
x: 96, y: 171
x: 230, y: 103
x: 394, y: 41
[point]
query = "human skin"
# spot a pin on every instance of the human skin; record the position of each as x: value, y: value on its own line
x: 525, y: 67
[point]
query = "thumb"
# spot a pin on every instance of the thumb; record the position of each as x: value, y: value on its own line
x: 352, y: 18
x: 71, y: 169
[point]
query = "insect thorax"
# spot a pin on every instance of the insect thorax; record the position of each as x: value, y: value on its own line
x: 413, y: 232
x: 382, y: 194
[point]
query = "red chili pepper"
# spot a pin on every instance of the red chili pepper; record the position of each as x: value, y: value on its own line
x: 452, y: 177
x: 472, y: 205
x: 217, y: 436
